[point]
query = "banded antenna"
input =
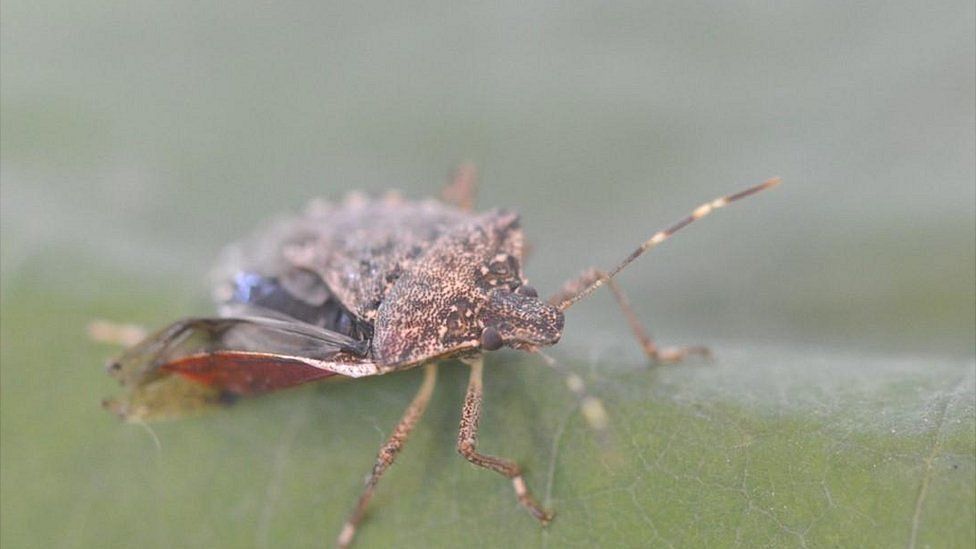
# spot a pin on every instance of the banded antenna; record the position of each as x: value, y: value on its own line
x: 661, y: 236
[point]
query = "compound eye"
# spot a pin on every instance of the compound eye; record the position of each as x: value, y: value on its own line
x: 498, y: 268
x: 491, y: 340
x: 527, y: 290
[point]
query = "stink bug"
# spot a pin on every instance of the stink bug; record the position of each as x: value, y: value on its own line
x: 367, y: 287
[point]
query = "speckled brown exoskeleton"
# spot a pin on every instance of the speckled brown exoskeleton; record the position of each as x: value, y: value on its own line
x: 366, y: 287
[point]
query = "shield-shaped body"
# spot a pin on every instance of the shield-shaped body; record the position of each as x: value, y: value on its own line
x: 362, y: 287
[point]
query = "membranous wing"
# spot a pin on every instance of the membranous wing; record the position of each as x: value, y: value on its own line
x: 197, y: 362
x: 295, y: 294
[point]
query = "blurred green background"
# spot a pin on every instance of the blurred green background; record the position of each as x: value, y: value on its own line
x: 139, y: 138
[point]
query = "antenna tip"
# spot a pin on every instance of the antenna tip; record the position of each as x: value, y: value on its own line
x: 772, y: 182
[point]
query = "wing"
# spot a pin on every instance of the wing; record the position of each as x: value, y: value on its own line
x: 198, y: 362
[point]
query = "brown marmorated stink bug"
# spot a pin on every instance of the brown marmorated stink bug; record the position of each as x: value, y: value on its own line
x: 367, y: 287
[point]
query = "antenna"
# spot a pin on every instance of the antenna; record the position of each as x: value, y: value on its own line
x: 661, y: 236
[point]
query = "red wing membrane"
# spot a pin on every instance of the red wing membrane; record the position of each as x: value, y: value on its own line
x: 245, y: 374
x: 219, y: 357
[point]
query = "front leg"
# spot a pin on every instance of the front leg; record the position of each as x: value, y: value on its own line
x: 666, y: 355
x: 467, y: 443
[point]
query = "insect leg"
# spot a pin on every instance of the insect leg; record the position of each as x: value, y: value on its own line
x: 592, y: 407
x: 660, y: 236
x: 461, y: 190
x: 123, y: 335
x: 468, y: 440
x: 389, y: 451
x: 655, y: 353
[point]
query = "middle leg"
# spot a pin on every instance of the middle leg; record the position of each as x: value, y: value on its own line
x: 389, y: 452
x: 461, y: 190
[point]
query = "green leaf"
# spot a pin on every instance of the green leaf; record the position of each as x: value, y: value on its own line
x: 764, y: 446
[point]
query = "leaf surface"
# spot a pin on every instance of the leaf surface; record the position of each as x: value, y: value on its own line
x: 764, y: 446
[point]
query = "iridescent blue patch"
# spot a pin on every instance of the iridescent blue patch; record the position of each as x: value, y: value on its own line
x: 252, y: 287
x: 268, y: 292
